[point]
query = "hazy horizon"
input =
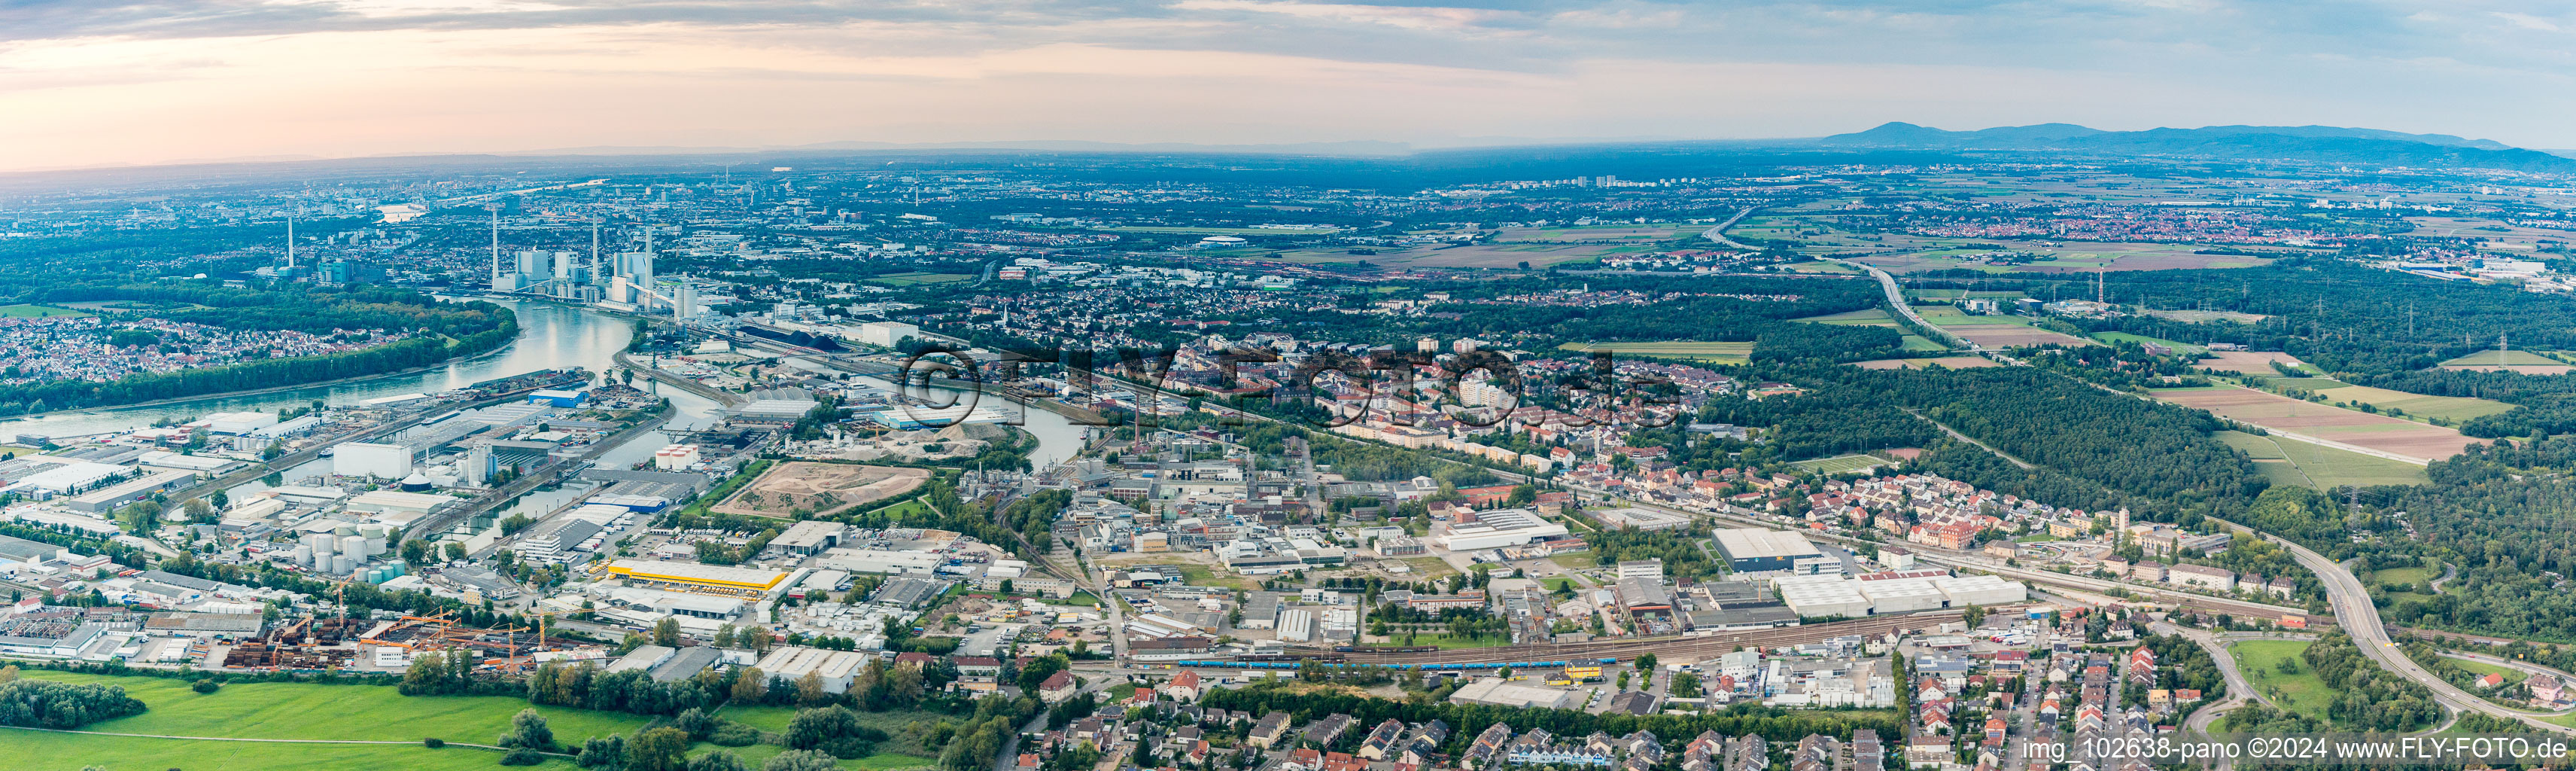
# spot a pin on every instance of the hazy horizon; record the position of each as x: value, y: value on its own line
x: 151, y: 83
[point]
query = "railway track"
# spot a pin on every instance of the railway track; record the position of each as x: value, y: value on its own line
x: 1672, y: 648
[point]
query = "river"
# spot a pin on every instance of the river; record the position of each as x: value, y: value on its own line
x: 550, y: 336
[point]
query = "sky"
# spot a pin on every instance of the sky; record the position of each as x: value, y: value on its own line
x: 107, y: 82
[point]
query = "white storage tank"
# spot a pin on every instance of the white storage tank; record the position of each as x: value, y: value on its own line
x: 340, y: 565
x: 354, y: 546
x: 321, y: 543
x: 304, y: 555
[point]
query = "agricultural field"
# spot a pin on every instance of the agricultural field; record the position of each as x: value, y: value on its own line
x: 1244, y: 232
x: 2360, y: 429
x: 2327, y: 468
x: 1705, y: 351
x: 2254, y: 362
x: 1920, y: 343
x: 1496, y: 255
x: 917, y: 279
x: 1947, y: 362
x: 2525, y: 362
x: 1995, y: 331
x: 38, y: 312
x: 2449, y: 408
x: 1638, y: 232
x: 2261, y: 660
x: 2125, y: 337
x: 1820, y: 267
x: 2071, y: 257
x: 1840, y: 464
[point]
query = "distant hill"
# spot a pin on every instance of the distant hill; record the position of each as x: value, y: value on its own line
x: 2319, y: 144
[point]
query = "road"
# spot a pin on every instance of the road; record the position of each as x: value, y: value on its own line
x: 1896, y: 300
x: 1954, y: 434
x: 1718, y: 233
x: 2238, y: 688
x: 2354, y: 612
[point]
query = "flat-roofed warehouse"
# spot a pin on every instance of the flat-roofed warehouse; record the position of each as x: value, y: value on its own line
x: 1751, y: 549
x: 694, y: 576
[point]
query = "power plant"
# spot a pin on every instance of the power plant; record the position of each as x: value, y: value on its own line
x: 623, y: 281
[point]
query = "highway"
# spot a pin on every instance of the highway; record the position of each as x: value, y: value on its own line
x: 2355, y: 613
x: 1896, y: 300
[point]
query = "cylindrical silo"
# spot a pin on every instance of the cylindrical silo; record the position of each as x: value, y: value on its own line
x: 355, y: 546
x: 304, y: 555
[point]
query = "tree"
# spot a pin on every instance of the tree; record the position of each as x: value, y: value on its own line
x: 1038, y: 670
x: 666, y: 633
x: 809, y: 690
x: 1974, y: 615
x: 819, y: 729
x: 602, y: 752
x: 719, y: 760
x: 455, y: 551
x: 205, y: 685
x: 801, y: 760
x: 528, y: 729
x: 697, y: 723
x: 658, y: 749
x: 750, y: 685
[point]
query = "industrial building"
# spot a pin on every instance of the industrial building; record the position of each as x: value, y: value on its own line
x: 1755, y: 549
x: 1823, y: 596
x: 129, y: 491
x: 837, y: 669
x: 885, y: 334
x: 368, y: 459
x: 691, y: 576
x: 902, y: 563
x: 809, y: 537
x: 1496, y: 529
x: 1815, y: 596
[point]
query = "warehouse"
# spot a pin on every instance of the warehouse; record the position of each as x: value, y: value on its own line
x: 835, y: 668
x: 1296, y: 625
x: 881, y: 561
x: 808, y: 537
x: 122, y: 493
x: 694, y: 576
x: 1754, y: 549
x: 1496, y: 529
x: 1901, y: 595
x: 1964, y: 591
x: 1822, y: 596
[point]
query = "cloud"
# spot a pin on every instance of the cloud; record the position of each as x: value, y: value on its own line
x: 101, y: 82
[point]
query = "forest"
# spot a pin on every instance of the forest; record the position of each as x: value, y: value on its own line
x: 2156, y: 458
x: 2502, y: 514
